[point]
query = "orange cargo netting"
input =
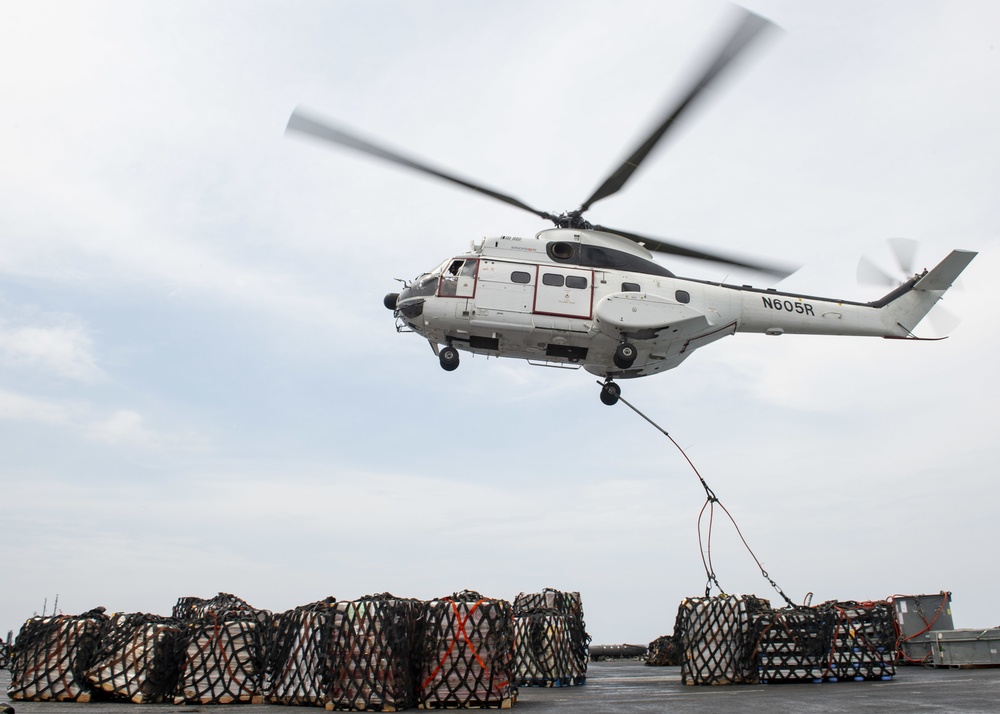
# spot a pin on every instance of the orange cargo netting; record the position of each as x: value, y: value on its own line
x: 466, y: 653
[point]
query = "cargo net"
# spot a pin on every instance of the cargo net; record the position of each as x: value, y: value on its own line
x: 832, y: 642
x: 864, y: 645
x: 717, y: 639
x: 224, y: 660
x: 222, y: 606
x: 139, y: 658
x: 544, y: 654
x: 465, y: 653
x: 50, y: 657
x: 551, y: 640
x: 565, y: 603
x: 371, y: 643
x: 298, y: 665
x: 663, y: 652
x: 794, y: 644
x: 668, y: 650
x: 5, y: 651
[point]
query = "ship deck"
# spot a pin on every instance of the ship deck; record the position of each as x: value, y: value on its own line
x: 630, y: 686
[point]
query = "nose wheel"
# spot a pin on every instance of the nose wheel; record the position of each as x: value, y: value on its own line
x: 610, y: 393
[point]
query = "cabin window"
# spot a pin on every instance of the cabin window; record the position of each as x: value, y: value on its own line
x: 576, y: 281
x: 520, y: 276
x: 631, y: 288
x: 682, y: 296
x: 553, y: 280
x: 459, y: 280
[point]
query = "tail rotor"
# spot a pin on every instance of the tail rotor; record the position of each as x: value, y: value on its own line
x: 893, y: 266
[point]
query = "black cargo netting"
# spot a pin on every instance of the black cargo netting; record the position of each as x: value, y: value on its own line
x: 794, y: 644
x: 545, y: 654
x: 551, y: 640
x: 298, y: 664
x: 718, y: 639
x: 664, y: 651
x: 864, y: 646
x: 224, y: 660
x: 5, y: 652
x: 139, y: 658
x: 51, y: 655
x: 565, y: 603
x: 371, y: 652
x: 222, y: 605
x: 832, y: 642
x: 465, y: 653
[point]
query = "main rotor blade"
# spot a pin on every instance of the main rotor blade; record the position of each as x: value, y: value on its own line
x: 322, y: 130
x: 662, y: 246
x: 750, y: 26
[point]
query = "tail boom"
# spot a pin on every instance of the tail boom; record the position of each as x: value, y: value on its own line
x: 894, y: 315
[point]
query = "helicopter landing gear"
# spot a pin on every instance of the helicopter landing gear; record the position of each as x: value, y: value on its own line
x: 625, y: 354
x: 448, y: 358
x: 610, y: 393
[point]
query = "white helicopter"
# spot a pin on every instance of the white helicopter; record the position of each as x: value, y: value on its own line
x: 583, y: 295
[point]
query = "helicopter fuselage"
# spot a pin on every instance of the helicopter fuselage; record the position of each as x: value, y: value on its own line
x: 593, y: 299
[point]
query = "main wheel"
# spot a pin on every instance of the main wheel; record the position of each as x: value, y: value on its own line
x: 610, y: 393
x: 448, y: 358
x: 625, y: 355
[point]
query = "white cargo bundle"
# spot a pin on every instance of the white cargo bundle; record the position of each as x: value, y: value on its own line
x: 224, y: 662
x: 139, y: 658
x: 466, y: 653
x: 717, y: 638
x: 51, y: 655
x: 298, y: 670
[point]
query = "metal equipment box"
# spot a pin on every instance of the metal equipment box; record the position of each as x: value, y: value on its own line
x: 966, y: 648
x: 919, y: 617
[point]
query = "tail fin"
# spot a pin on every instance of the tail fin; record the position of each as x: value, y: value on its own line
x: 942, y: 276
x: 907, y: 308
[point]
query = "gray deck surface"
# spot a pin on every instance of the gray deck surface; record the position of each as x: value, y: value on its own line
x: 629, y: 686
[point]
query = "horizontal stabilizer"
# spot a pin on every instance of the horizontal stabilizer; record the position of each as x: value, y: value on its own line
x: 945, y: 273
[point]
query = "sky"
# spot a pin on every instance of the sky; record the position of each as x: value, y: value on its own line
x: 201, y: 391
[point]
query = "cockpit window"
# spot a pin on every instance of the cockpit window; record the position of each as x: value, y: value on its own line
x: 459, y: 278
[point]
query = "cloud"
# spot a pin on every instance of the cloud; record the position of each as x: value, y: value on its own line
x: 64, y: 351
x: 90, y: 421
x: 18, y: 407
x: 124, y: 426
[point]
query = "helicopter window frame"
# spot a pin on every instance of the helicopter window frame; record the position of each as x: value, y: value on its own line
x: 449, y: 281
x: 553, y: 280
x: 521, y: 277
x: 599, y: 256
